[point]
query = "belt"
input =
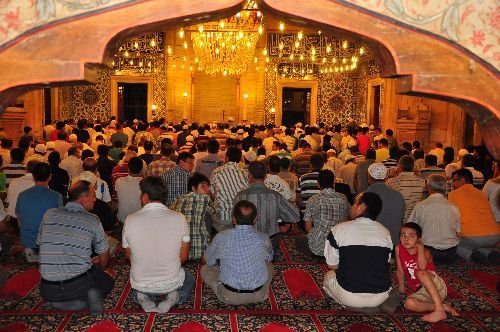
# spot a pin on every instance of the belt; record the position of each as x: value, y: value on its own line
x: 234, y: 290
x: 62, y: 282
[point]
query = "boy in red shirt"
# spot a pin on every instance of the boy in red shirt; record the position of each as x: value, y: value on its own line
x: 414, y: 262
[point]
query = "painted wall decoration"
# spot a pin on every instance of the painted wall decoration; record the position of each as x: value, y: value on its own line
x: 350, y: 88
x: 473, y: 24
x: 21, y: 16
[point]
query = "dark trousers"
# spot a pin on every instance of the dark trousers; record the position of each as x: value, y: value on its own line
x: 443, y: 257
x: 77, y: 289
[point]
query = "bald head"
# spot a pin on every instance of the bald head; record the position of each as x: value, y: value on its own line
x: 90, y: 164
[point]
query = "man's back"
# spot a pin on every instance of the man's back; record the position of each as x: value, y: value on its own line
x: 243, y: 252
x: 475, y: 212
x: 271, y: 206
x: 393, y: 208
x: 208, y: 164
x: 411, y: 187
x: 154, y: 235
x: 67, y: 237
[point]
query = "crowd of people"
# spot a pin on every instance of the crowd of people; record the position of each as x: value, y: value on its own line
x: 226, y: 193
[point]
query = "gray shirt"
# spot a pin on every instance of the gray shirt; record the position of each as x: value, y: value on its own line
x: 206, y: 165
x: 393, y: 208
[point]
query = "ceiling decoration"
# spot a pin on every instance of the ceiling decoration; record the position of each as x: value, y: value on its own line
x: 138, y: 55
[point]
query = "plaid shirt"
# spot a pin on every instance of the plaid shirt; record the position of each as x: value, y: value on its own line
x: 196, y: 208
x: 176, y: 180
x: 159, y: 167
x: 242, y: 252
x: 325, y: 209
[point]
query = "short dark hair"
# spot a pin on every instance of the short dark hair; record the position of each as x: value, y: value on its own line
x: 102, y: 150
x: 17, y: 155
x: 242, y: 218
x: 274, y: 163
x: 154, y: 187
x: 117, y: 144
x: 406, y: 163
x: 87, y: 154
x: 166, y: 151
x: 394, y: 152
x: 317, y: 161
x: 213, y: 146
x: 389, y: 132
x: 72, y: 151
x: 41, y: 171
x: 285, y: 163
x: 135, y: 165
x: 233, y: 154
x: 257, y: 169
x: 326, y: 179
x: 465, y: 174
x: 7, y: 143
x: 148, y: 145
x: 31, y: 165
x: 196, y: 179
x: 54, y: 158
x: 469, y: 160
x: 373, y: 204
x: 418, y: 154
x: 384, y: 141
x: 370, y: 154
x: 407, y: 146
x: 416, y: 144
x: 78, y: 189
x: 27, y: 129
x: 416, y: 227
x: 431, y: 160
x: 184, y: 156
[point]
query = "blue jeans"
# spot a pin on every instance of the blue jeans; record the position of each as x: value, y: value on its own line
x: 185, y: 290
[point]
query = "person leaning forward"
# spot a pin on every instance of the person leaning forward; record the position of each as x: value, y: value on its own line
x: 71, y: 278
x: 245, y: 256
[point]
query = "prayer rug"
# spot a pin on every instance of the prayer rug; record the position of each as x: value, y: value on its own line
x: 297, y: 302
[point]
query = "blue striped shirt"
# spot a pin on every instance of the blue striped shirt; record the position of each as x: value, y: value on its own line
x: 243, y: 253
x: 67, y: 236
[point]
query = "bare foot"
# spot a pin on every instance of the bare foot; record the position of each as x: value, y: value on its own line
x: 434, y: 316
x: 449, y: 309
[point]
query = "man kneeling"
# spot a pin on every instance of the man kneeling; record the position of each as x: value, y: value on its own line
x: 153, y: 237
x: 245, y: 256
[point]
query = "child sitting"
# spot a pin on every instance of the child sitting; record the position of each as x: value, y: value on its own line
x: 415, y: 262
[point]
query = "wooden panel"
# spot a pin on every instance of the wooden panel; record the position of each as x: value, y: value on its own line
x: 214, y: 94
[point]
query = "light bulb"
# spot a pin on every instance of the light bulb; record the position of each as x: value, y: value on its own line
x: 181, y: 33
x: 344, y: 44
x: 313, y: 51
x: 297, y: 44
x: 169, y: 50
x: 264, y: 51
x: 222, y: 24
x: 261, y: 29
x: 185, y: 44
x: 282, y: 26
x: 300, y: 35
x: 153, y: 43
x: 328, y: 49
x: 361, y: 50
x: 281, y: 46
x: 200, y: 28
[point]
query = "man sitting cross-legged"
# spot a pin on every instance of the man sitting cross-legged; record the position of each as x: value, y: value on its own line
x: 323, y: 211
x: 357, y: 253
x: 414, y: 262
x: 156, y: 240
x: 71, y: 278
x: 245, y: 256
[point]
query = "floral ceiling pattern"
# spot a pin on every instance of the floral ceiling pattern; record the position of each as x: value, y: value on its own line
x: 20, y: 16
x: 473, y: 24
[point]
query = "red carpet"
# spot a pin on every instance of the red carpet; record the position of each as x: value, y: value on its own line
x: 296, y: 303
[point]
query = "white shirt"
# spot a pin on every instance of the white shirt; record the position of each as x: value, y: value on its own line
x: 129, y: 196
x: 276, y: 183
x: 17, y: 186
x: 101, y: 187
x: 155, y: 235
x: 440, y: 221
x: 73, y: 166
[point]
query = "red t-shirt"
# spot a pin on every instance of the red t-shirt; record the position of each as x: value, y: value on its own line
x: 363, y: 143
x: 410, y: 265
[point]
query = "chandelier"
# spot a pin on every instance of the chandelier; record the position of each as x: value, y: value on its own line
x: 227, y: 46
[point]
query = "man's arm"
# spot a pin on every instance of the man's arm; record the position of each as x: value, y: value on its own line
x: 308, y: 225
x: 422, y: 257
x: 104, y: 259
x: 184, y: 254
x: 331, y: 252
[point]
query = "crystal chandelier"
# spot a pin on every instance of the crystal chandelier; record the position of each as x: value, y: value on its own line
x: 228, y: 46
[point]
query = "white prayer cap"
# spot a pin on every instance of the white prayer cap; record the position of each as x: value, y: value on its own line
x: 378, y: 171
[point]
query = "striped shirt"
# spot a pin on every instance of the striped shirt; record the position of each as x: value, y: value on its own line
x: 411, y: 187
x: 13, y: 171
x: 227, y: 181
x: 307, y: 187
x: 66, y: 239
x: 271, y: 206
x: 302, y: 163
x: 290, y: 142
x: 325, y: 209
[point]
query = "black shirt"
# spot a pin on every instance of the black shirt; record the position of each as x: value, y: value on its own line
x: 105, y: 167
x: 59, y: 181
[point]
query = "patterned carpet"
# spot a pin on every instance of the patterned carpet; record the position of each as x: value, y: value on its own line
x: 297, y: 303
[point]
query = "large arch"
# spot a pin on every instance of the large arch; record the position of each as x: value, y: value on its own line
x: 424, y: 65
